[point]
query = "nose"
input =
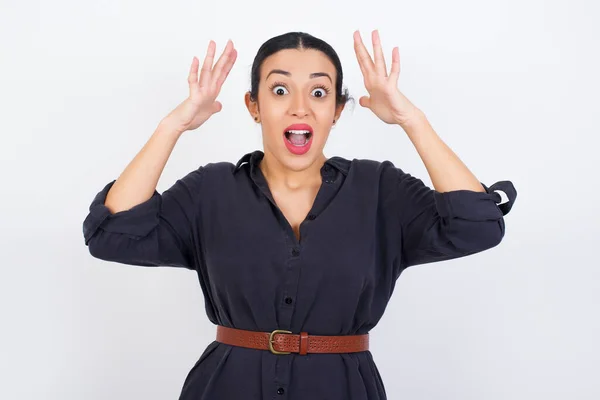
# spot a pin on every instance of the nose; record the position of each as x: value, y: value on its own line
x: 298, y: 107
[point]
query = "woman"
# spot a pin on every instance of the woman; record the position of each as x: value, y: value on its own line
x: 297, y: 255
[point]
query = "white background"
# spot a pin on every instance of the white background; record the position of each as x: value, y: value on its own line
x: 511, y: 86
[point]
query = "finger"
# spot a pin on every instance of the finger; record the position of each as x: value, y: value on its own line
x: 362, y: 55
x: 365, y: 101
x: 226, y: 69
x: 205, y: 73
x: 216, y: 72
x: 378, y: 54
x: 193, y: 75
x: 395, y: 72
x: 216, y: 107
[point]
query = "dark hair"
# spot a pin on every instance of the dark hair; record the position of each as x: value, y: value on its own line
x: 300, y: 41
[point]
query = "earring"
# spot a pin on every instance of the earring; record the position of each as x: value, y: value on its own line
x: 256, y: 118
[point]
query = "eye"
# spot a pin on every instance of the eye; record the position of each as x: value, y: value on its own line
x: 281, y: 90
x: 324, y: 91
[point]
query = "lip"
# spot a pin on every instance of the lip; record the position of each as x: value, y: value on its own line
x: 299, y: 127
x: 298, y: 150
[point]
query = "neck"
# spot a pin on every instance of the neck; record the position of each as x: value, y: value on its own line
x: 278, y: 175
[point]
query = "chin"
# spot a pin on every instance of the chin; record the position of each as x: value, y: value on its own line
x: 300, y: 163
x: 296, y: 162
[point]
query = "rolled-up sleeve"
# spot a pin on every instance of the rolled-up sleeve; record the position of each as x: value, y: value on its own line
x: 438, y: 226
x: 157, y: 232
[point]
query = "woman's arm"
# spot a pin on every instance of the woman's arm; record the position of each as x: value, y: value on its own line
x: 129, y: 221
x: 138, y: 181
x: 458, y: 218
x: 446, y: 170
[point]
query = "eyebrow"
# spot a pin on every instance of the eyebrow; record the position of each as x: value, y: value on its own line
x: 311, y: 76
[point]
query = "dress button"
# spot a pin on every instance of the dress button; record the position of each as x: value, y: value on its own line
x: 280, y: 391
x: 295, y: 252
x: 311, y: 216
x: 288, y: 300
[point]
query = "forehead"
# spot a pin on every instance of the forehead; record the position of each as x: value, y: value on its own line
x: 300, y: 63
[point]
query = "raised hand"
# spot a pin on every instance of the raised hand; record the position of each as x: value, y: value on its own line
x: 201, y: 103
x: 385, y: 100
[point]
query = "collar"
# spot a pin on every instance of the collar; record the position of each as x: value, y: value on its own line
x: 253, y: 159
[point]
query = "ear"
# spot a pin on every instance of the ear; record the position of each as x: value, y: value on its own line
x: 338, y: 111
x: 252, y: 106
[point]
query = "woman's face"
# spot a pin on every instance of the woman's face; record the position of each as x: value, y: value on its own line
x: 296, y: 106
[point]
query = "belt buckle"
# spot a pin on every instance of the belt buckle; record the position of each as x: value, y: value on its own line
x: 271, y: 341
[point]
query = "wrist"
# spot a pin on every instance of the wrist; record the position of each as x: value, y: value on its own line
x: 168, y: 127
x: 416, y: 119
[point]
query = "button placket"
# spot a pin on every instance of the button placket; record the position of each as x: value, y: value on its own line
x: 288, y: 298
x: 292, y: 257
x: 287, y: 301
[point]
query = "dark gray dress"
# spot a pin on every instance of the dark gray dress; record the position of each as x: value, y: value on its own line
x: 370, y: 221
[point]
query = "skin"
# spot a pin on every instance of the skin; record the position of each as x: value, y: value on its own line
x: 294, y: 180
x: 445, y: 168
x: 299, y: 103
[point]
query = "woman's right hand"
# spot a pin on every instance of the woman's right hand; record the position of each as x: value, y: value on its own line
x: 201, y: 103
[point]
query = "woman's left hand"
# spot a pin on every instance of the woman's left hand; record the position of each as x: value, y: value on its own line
x: 385, y: 100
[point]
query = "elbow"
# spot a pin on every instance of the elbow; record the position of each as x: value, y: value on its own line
x: 492, y: 234
x: 101, y: 245
x: 94, y: 250
x: 479, y: 236
x: 96, y: 247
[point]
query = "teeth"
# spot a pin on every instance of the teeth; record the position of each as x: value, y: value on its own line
x: 296, y: 132
x: 305, y: 133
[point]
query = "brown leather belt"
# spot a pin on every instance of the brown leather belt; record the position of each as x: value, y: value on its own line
x: 285, y: 342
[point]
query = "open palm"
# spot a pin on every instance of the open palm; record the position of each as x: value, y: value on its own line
x: 385, y: 100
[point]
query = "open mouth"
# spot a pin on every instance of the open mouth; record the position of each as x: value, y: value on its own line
x: 298, y: 137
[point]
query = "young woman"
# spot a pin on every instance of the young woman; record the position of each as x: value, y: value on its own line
x: 297, y: 254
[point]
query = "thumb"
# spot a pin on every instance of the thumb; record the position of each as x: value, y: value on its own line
x: 365, y: 101
x: 216, y: 107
